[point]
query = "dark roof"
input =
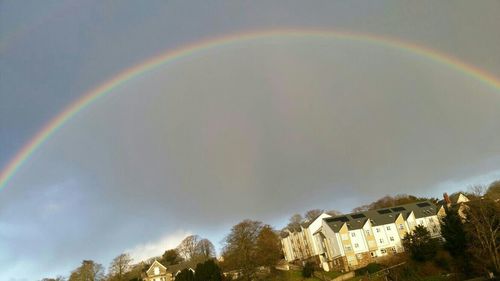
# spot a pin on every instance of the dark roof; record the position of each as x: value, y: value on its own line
x: 180, y: 266
x: 382, y: 216
x: 295, y: 229
x: 187, y: 264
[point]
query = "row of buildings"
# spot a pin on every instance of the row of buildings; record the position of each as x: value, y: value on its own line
x: 351, y: 241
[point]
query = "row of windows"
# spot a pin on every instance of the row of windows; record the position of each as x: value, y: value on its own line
x: 382, y: 240
x: 401, y: 227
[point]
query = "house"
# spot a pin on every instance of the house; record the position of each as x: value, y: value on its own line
x: 157, y: 272
x: 352, y: 241
x: 298, y: 243
x: 456, y: 200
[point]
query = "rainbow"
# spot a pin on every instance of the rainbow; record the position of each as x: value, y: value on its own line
x: 92, y: 96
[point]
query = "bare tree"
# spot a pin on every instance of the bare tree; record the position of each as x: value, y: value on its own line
x: 187, y: 248
x: 334, y: 213
x: 205, y: 248
x: 88, y: 271
x: 240, y: 248
x: 483, y: 226
x: 295, y: 221
x: 119, y: 266
x: 58, y: 278
x: 313, y: 214
x: 493, y: 191
x: 477, y: 191
x: 268, y: 251
x: 389, y: 201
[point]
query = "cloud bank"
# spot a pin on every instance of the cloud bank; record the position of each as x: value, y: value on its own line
x: 145, y: 251
x: 258, y: 130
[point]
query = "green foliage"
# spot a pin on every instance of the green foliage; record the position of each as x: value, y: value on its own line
x: 370, y: 268
x: 452, y: 230
x: 207, y: 271
x: 420, y: 245
x: 171, y: 257
x: 308, y: 270
x: 185, y: 275
x: 456, y: 242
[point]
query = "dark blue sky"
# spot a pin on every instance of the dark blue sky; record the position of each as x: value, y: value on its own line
x: 325, y: 124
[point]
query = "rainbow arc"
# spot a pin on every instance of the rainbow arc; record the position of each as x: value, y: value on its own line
x: 92, y: 96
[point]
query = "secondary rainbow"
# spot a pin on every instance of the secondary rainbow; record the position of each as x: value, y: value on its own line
x: 90, y: 97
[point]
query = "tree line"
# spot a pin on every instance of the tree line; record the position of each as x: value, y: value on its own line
x: 471, y: 246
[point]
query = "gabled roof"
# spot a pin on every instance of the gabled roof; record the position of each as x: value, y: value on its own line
x: 382, y: 216
x: 157, y: 263
x: 454, y: 197
x: 307, y: 223
x: 187, y: 264
x: 318, y: 231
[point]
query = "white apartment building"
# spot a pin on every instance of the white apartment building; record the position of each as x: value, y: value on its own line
x: 351, y: 241
x: 299, y: 244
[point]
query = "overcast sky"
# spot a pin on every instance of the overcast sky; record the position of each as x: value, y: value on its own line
x: 259, y: 129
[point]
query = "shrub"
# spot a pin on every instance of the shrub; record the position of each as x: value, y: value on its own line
x: 308, y: 270
x: 370, y: 268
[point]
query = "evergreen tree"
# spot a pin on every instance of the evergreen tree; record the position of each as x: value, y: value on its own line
x: 185, y: 275
x: 452, y: 230
x: 207, y: 271
x: 420, y: 245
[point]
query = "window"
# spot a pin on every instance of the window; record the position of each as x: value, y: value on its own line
x: 388, y: 228
x: 391, y: 238
x: 348, y: 248
x: 401, y: 226
x: 356, y: 245
x: 381, y: 240
x: 368, y: 232
x: 383, y: 251
x: 378, y: 229
x: 157, y: 271
x: 353, y: 234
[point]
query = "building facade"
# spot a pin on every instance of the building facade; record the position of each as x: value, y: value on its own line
x: 352, y: 241
x: 298, y: 243
x: 157, y: 272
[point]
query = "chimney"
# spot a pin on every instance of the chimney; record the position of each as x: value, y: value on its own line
x: 446, y: 198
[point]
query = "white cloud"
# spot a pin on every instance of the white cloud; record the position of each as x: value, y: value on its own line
x: 152, y: 249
